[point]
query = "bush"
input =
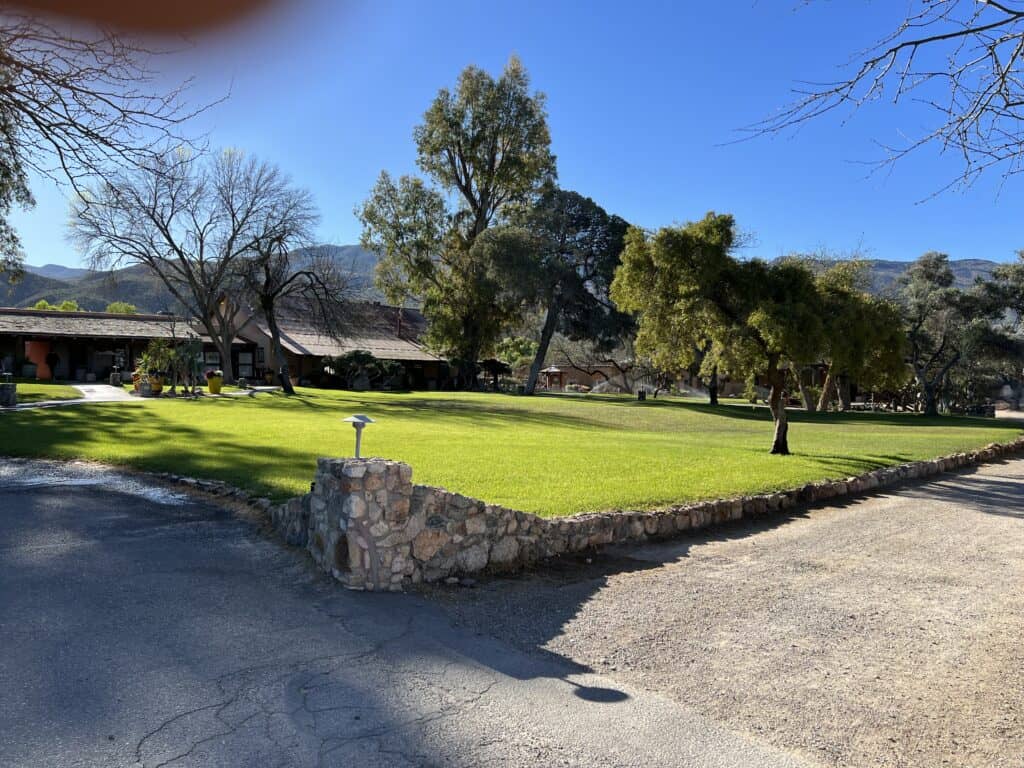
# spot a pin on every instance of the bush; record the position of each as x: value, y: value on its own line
x: 354, y: 368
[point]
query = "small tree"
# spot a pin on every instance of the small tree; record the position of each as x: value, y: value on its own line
x: 943, y: 324
x: 761, y: 318
x: 517, y: 351
x: 357, y: 365
x: 283, y: 271
x: 121, y: 308
x: 68, y: 305
x: 863, y: 337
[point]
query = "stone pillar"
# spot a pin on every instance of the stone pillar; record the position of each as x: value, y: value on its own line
x: 359, y: 510
x: 368, y: 526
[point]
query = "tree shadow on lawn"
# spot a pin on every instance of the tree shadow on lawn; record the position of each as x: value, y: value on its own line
x: 838, y: 465
x: 179, y: 448
x: 752, y: 412
x: 438, y: 410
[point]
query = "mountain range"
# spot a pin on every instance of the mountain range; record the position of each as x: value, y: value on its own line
x: 137, y: 285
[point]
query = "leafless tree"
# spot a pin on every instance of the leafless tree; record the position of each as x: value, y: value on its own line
x: 192, y: 220
x: 284, y: 275
x: 962, y: 58
x: 74, y: 103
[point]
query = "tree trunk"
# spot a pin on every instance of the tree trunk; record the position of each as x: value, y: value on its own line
x: 468, y: 369
x: 277, y: 351
x: 777, y: 404
x: 224, y: 348
x: 843, y: 391
x: 931, y: 402
x: 713, y: 387
x: 827, y: 391
x: 550, y: 321
x: 809, y: 404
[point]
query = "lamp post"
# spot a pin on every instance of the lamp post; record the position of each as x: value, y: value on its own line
x: 358, y: 421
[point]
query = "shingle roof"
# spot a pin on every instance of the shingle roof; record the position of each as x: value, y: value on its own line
x: 39, y: 322
x: 389, y: 333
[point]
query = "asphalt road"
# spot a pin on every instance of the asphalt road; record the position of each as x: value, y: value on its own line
x: 140, y: 628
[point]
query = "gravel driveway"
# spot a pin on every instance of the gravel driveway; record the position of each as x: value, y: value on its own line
x: 884, y: 632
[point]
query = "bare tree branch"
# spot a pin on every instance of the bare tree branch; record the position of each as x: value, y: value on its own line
x: 961, y: 58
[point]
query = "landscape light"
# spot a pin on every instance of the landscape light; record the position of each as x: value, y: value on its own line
x: 358, y: 421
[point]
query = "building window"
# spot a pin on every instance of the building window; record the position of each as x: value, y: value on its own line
x: 245, y: 364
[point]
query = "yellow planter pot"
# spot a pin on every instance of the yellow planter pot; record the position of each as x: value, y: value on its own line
x: 214, y: 384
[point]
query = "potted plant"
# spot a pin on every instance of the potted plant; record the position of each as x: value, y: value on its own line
x: 156, y: 381
x: 214, y: 380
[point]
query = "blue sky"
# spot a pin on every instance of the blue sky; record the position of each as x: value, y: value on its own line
x: 644, y: 100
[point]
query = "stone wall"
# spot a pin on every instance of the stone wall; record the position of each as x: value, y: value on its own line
x: 371, y: 528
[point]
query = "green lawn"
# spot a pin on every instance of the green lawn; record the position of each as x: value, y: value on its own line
x: 553, y: 455
x: 36, y: 391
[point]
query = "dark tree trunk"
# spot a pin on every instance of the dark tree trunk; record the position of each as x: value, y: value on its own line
x: 713, y: 387
x: 777, y: 404
x: 468, y: 370
x: 930, y: 404
x: 550, y: 322
x: 277, y: 351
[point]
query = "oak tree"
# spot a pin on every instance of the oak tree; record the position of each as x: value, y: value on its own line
x: 760, y: 317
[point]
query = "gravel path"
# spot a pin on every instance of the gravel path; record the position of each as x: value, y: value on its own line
x: 884, y: 632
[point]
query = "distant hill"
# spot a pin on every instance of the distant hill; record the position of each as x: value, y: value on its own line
x: 884, y: 274
x: 137, y: 285
x: 57, y: 271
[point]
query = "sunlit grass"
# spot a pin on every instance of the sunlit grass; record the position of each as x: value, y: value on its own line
x: 548, y: 454
x: 37, y: 391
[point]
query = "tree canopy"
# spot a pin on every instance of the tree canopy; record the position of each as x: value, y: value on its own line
x: 485, y: 146
x: 687, y: 288
x: 121, y: 308
x: 576, y: 247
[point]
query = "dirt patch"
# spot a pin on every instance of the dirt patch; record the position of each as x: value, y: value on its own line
x: 886, y: 632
